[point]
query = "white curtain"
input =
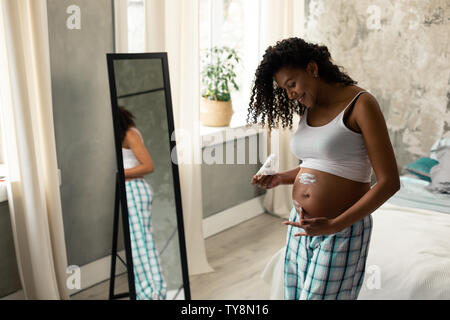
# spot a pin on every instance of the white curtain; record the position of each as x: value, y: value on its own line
x: 172, y: 26
x: 281, y: 19
x: 29, y: 144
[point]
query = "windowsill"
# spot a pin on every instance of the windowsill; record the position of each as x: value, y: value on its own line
x: 237, y: 129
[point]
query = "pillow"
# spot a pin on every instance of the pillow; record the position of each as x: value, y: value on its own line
x: 421, y: 167
x: 440, y: 143
x: 440, y: 173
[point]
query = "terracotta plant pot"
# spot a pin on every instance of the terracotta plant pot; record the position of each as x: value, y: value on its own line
x: 215, y: 113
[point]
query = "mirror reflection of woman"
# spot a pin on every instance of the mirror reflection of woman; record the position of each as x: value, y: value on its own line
x: 137, y: 162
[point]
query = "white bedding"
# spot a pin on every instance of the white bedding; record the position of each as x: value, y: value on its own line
x: 414, y: 194
x: 408, y: 258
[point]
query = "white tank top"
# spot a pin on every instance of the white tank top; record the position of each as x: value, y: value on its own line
x: 332, y: 148
x: 129, y: 159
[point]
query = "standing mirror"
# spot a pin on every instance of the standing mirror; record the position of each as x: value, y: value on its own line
x: 148, y: 189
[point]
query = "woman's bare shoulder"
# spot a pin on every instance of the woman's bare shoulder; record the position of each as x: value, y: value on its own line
x: 132, y: 136
x: 358, y: 89
x: 353, y: 89
x: 137, y: 132
x: 366, y: 97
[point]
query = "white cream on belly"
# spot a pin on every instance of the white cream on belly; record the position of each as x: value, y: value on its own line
x: 307, y: 178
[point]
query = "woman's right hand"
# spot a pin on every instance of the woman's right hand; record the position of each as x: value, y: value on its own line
x: 266, y: 181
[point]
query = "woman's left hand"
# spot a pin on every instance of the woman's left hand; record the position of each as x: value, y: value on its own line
x: 314, y: 226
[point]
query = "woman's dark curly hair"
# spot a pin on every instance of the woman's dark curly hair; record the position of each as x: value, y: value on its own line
x: 268, y: 99
x: 125, y: 121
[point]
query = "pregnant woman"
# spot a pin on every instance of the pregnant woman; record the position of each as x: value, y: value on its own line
x: 137, y: 162
x: 341, y: 136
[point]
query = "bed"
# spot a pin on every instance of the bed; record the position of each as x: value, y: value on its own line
x: 409, y: 253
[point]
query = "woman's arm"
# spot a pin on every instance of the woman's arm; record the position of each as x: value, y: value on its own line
x: 371, y: 121
x: 141, y: 153
x: 288, y: 177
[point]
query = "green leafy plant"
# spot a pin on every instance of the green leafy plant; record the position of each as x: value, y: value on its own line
x: 218, y: 64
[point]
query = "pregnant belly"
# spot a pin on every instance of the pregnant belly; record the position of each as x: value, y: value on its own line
x: 322, y: 194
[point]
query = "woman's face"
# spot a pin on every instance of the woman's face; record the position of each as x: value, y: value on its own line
x: 299, y: 84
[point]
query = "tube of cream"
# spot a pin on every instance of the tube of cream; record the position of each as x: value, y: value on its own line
x: 270, y: 166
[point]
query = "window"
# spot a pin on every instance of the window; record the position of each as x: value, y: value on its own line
x: 136, y: 26
x: 234, y: 23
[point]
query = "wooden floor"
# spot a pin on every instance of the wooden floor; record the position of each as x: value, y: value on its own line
x: 238, y: 256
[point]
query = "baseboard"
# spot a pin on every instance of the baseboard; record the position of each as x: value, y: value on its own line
x: 171, y: 295
x: 97, y: 271
x: 91, y: 274
x: 175, y: 295
x: 18, y: 295
x: 233, y: 216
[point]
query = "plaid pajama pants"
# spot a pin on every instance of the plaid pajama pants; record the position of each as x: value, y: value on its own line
x: 148, y: 278
x: 326, y: 267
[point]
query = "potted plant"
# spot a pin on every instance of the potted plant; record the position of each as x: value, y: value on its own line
x: 217, y: 77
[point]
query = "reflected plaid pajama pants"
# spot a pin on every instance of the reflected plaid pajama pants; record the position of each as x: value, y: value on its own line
x: 326, y: 267
x: 148, y: 278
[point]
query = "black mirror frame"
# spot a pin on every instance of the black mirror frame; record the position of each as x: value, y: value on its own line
x: 111, y: 57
